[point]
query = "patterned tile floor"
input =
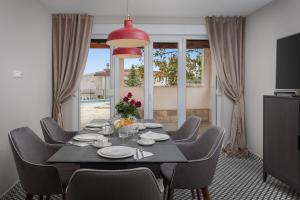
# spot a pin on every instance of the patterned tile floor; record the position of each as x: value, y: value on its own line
x: 235, y: 179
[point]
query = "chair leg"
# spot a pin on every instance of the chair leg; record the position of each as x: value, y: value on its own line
x: 205, y: 193
x: 198, y: 194
x: 166, y: 191
x: 48, y: 197
x: 193, y: 193
x: 41, y: 197
x: 29, y: 196
x: 170, y: 194
x: 265, y: 175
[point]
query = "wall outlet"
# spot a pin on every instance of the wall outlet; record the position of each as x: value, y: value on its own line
x: 17, y: 74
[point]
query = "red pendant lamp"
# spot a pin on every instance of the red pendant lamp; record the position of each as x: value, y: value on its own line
x: 122, y: 52
x: 128, y: 36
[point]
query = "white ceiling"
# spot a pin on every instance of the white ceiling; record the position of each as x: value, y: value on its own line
x: 156, y: 8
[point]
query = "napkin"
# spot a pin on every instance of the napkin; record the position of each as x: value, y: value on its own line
x: 79, y: 144
x: 153, y: 135
x: 140, y: 155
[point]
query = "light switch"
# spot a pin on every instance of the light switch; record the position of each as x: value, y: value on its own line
x: 17, y: 74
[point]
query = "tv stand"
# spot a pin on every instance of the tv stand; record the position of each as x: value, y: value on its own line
x: 281, y: 139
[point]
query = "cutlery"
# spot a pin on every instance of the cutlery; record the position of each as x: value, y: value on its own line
x: 141, y: 150
x: 137, y: 154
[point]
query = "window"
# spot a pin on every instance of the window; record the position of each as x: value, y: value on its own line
x: 165, y: 91
x: 132, y: 78
x: 94, y: 100
x: 165, y: 64
x: 134, y: 71
x: 195, y: 62
x: 198, y: 79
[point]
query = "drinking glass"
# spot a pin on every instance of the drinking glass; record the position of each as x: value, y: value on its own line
x: 107, y: 130
x: 134, y: 130
x: 123, y: 133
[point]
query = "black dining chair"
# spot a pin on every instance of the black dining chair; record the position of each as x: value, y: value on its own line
x: 53, y: 133
x: 128, y: 184
x: 188, y: 131
x: 36, y: 176
x: 198, y: 172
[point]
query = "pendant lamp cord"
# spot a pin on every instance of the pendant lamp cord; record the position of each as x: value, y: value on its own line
x: 127, y: 8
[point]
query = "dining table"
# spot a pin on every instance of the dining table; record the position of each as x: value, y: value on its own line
x: 87, y: 156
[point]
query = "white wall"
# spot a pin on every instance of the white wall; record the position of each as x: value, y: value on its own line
x: 25, y: 44
x: 264, y: 27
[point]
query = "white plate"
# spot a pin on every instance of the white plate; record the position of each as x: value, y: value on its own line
x: 87, y: 137
x: 92, y: 129
x: 107, y: 144
x: 116, y: 152
x: 153, y: 125
x: 102, y: 133
x: 147, y: 142
x: 141, y: 126
x: 97, y: 125
x: 155, y: 136
x: 113, y: 157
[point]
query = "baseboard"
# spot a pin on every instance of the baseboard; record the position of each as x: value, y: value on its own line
x: 11, y: 187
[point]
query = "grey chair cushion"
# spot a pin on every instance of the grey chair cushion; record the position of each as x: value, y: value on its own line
x: 188, y: 131
x: 133, y: 184
x: 202, y: 155
x: 30, y: 154
x: 53, y: 133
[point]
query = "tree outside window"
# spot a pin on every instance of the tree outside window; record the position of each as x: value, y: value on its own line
x: 166, y: 65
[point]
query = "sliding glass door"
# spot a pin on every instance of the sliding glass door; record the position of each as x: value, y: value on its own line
x: 165, y: 86
x: 180, y: 80
x: 173, y: 79
x: 95, y: 84
x: 198, y: 79
x: 131, y: 75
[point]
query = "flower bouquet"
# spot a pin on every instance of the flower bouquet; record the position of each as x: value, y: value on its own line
x: 128, y: 107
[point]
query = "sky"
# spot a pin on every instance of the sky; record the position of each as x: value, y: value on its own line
x: 98, y: 59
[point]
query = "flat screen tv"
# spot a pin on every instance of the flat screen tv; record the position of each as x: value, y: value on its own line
x: 288, y: 63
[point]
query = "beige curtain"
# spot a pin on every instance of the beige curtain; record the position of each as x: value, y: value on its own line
x: 71, y: 34
x: 226, y: 37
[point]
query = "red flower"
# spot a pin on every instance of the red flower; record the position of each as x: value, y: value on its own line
x: 125, y: 99
x: 138, y: 104
x: 132, y: 102
x: 129, y: 95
